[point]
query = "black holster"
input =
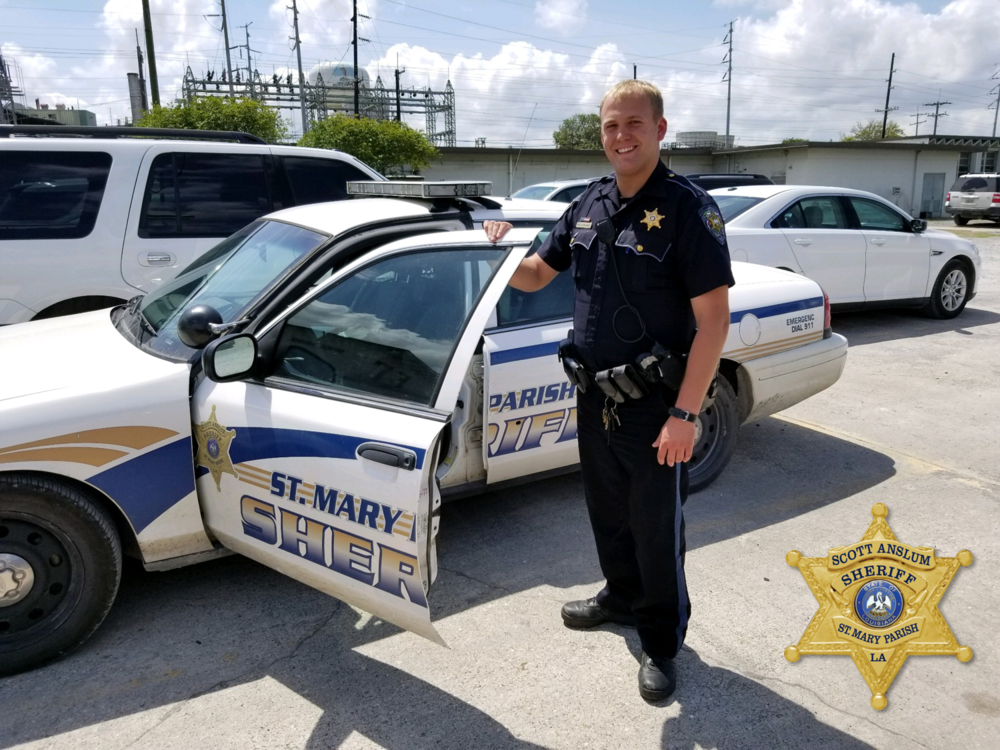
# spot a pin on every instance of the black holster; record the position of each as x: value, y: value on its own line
x: 570, y: 358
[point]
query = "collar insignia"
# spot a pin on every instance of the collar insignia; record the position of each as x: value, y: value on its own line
x: 878, y: 602
x: 652, y: 219
x: 213, y: 449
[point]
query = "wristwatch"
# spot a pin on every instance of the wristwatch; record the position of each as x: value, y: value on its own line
x: 681, y: 414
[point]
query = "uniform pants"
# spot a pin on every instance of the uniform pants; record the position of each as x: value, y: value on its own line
x: 635, y: 511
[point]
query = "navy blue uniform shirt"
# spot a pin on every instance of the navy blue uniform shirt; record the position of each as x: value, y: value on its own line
x: 670, y: 246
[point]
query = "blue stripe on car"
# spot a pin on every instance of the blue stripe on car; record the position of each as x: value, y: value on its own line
x: 148, y: 485
x: 770, y: 311
x: 525, y: 352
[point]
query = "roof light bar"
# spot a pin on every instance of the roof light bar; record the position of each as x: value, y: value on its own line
x: 407, y: 189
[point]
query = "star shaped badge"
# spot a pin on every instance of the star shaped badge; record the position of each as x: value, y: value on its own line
x: 652, y: 219
x: 213, y: 449
x: 878, y: 602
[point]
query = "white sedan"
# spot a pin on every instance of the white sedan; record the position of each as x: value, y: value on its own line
x: 307, y: 392
x: 864, y: 251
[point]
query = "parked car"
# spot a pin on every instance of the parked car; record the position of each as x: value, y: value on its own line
x: 864, y: 251
x: 566, y: 191
x: 91, y: 216
x: 308, y: 391
x: 974, y: 196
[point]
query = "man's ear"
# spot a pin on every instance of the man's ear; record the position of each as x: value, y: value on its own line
x: 661, y: 129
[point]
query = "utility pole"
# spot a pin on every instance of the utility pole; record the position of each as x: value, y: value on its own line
x: 357, y: 76
x: 937, y: 112
x: 225, y: 39
x: 635, y: 69
x: 728, y: 77
x: 142, y: 78
x: 398, y: 73
x: 302, y: 80
x: 148, y: 23
x: 917, y: 122
x: 996, y: 104
x: 885, y: 112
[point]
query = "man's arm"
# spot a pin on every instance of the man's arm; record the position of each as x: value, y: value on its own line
x: 533, y: 273
x: 711, y: 312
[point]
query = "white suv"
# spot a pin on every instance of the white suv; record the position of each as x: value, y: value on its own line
x: 88, y: 222
x: 974, y: 196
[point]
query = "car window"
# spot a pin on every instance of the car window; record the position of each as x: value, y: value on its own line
x: 873, y: 215
x: 568, y: 195
x: 731, y: 206
x: 975, y: 185
x: 389, y: 329
x: 814, y: 213
x: 534, y: 192
x: 552, y: 302
x: 203, y: 195
x: 50, y: 195
x: 319, y: 180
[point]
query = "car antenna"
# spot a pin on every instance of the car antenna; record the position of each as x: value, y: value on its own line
x: 510, y: 188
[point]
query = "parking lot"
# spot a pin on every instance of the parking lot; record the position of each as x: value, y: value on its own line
x: 231, y: 654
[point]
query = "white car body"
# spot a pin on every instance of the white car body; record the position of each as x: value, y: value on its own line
x: 857, y: 265
x: 82, y: 402
x: 118, y: 257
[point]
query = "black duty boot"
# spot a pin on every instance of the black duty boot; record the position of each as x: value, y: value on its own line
x: 657, y: 678
x: 588, y: 613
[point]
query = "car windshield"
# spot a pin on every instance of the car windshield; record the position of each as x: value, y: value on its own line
x: 534, y: 192
x: 231, y: 275
x: 731, y: 206
x: 976, y: 185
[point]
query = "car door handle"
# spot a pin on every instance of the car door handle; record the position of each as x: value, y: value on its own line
x: 803, y: 241
x: 877, y: 241
x: 159, y: 259
x: 389, y: 455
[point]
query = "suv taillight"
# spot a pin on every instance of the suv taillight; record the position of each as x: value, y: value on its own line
x: 947, y: 199
x: 827, y: 329
x: 996, y: 197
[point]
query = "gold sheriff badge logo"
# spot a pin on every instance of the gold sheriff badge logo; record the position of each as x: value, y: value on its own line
x: 878, y: 601
x: 213, y: 448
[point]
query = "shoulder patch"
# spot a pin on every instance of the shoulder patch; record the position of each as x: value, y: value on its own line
x: 713, y: 222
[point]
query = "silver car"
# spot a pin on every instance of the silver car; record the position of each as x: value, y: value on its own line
x: 974, y: 196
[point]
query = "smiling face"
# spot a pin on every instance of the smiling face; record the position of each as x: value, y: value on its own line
x: 631, y: 137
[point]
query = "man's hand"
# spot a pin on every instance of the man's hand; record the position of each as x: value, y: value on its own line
x: 495, y: 230
x: 675, y: 442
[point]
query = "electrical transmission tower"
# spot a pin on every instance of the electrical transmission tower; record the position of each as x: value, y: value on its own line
x: 727, y: 77
x: 937, y: 112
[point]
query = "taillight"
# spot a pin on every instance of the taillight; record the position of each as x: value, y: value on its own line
x: 996, y: 197
x: 827, y: 329
x: 947, y: 198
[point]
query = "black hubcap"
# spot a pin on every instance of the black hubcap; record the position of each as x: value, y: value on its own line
x: 49, y: 561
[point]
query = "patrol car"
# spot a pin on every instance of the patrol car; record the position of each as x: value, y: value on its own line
x: 308, y: 391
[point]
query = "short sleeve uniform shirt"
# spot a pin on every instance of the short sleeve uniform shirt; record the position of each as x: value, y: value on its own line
x: 669, y: 246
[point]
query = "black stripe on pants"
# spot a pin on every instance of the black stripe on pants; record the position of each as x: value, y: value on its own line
x: 635, y: 512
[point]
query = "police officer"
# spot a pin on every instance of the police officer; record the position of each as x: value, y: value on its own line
x: 648, y: 254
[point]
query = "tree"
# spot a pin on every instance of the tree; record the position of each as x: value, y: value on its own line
x: 579, y: 132
x: 872, y: 131
x: 386, y: 146
x: 794, y: 140
x: 219, y: 113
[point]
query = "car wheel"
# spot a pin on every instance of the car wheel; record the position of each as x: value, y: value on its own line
x: 951, y: 291
x: 715, y: 438
x: 60, y: 564
x: 960, y: 220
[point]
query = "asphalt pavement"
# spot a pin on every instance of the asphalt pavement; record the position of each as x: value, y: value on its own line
x: 230, y: 654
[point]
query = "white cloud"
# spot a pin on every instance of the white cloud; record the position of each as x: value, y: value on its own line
x: 565, y: 17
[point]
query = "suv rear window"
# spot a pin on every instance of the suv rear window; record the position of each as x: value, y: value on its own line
x: 319, y: 180
x: 203, y: 195
x: 51, y: 195
x: 976, y: 185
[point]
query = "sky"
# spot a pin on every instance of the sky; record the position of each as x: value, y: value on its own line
x: 801, y: 68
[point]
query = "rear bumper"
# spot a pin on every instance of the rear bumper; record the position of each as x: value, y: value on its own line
x: 974, y: 212
x: 770, y: 384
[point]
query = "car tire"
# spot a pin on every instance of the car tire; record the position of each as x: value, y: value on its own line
x: 951, y: 292
x: 60, y: 565
x: 960, y: 220
x: 716, y: 441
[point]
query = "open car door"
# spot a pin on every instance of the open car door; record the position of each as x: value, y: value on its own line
x: 324, y: 467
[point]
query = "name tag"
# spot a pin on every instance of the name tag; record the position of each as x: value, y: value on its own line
x: 584, y: 224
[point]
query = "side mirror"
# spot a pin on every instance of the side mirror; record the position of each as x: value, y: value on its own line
x: 230, y: 358
x: 194, y: 327
x: 918, y: 225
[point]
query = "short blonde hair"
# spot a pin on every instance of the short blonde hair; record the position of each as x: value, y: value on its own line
x: 632, y: 87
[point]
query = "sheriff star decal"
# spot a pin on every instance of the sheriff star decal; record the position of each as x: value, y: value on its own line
x: 213, y: 448
x: 713, y: 223
x: 878, y: 602
x: 652, y: 219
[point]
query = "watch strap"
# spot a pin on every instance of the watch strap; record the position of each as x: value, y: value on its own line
x: 681, y: 414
